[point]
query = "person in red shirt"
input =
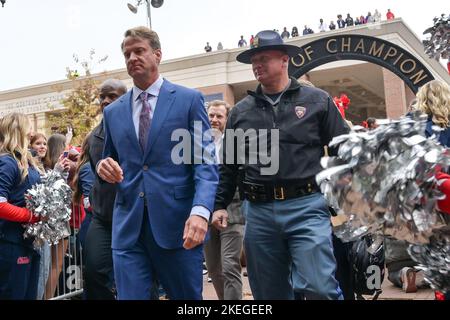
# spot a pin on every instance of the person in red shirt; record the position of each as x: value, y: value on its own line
x: 389, y: 15
x: 252, y: 38
x: 443, y: 184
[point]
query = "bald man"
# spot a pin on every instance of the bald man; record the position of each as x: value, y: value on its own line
x: 99, y: 277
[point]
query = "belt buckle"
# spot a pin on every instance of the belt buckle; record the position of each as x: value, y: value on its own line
x: 278, y: 193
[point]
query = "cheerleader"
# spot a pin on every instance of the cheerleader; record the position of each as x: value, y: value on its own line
x: 19, y: 262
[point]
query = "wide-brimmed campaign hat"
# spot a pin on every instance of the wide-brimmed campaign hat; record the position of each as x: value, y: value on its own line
x: 267, y: 40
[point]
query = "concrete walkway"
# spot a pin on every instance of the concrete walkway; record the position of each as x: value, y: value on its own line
x: 390, y: 292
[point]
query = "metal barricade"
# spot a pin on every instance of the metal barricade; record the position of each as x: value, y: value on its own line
x: 64, y: 279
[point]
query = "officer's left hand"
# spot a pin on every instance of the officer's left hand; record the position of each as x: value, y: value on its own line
x: 194, y: 231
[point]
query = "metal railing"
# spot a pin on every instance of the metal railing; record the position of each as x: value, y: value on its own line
x: 61, y: 274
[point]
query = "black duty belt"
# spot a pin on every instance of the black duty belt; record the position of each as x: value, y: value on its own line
x: 256, y: 192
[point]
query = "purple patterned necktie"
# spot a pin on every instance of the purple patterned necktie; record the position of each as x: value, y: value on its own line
x: 144, y: 120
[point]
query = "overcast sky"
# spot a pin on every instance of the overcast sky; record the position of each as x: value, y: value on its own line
x: 39, y: 38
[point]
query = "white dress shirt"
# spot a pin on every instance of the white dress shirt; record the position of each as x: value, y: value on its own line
x: 153, y: 93
x: 218, y: 144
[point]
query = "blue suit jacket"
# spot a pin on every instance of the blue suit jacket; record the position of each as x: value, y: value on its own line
x: 170, y: 190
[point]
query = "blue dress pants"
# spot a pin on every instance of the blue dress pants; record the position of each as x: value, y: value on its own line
x: 179, y: 271
x: 289, y: 249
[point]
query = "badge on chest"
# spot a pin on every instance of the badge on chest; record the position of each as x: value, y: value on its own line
x: 300, y: 111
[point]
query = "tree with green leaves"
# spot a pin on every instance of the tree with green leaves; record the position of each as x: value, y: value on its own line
x: 81, y: 106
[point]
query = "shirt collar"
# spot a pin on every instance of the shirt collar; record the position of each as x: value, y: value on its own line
x: 152, y: 90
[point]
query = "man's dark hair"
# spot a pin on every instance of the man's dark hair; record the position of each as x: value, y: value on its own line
x: 371, y: 122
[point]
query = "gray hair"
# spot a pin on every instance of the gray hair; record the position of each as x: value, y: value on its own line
x: 113, y: 84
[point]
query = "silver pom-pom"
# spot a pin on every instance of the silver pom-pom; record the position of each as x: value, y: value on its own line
x: 438, y: 44
x: 384, y: 180
x: 51, y: 201
x: 434, y: 260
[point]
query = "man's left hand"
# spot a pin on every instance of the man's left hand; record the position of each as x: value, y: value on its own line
x: 194, y: 231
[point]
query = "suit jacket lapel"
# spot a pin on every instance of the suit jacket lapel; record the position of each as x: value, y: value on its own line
x: 99, y: 132
x: 165, y: 100
x: 128, y: 118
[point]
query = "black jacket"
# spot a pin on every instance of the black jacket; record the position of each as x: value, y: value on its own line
x: 306, y: 119
x: 102, y: 194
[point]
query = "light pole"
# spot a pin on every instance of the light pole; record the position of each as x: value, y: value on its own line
x: 134, y: 8
x: 149, y: 14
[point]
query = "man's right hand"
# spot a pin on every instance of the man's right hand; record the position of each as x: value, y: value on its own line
x: 110, y: 171
x: 220, y: 219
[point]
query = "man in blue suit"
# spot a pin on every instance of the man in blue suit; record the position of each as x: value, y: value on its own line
x: 162, y: 208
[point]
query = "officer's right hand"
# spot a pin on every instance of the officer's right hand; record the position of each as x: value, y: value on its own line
x: 110, y: 171
x: 220, y: 219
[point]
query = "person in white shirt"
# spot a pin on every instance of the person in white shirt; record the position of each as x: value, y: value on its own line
x: 322, y: 26
x: 224, y: 247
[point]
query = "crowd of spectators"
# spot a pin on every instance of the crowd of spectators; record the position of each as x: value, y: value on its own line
x: 322, y: 26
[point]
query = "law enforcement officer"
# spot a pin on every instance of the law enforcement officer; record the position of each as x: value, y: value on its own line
x: 288, y: 233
